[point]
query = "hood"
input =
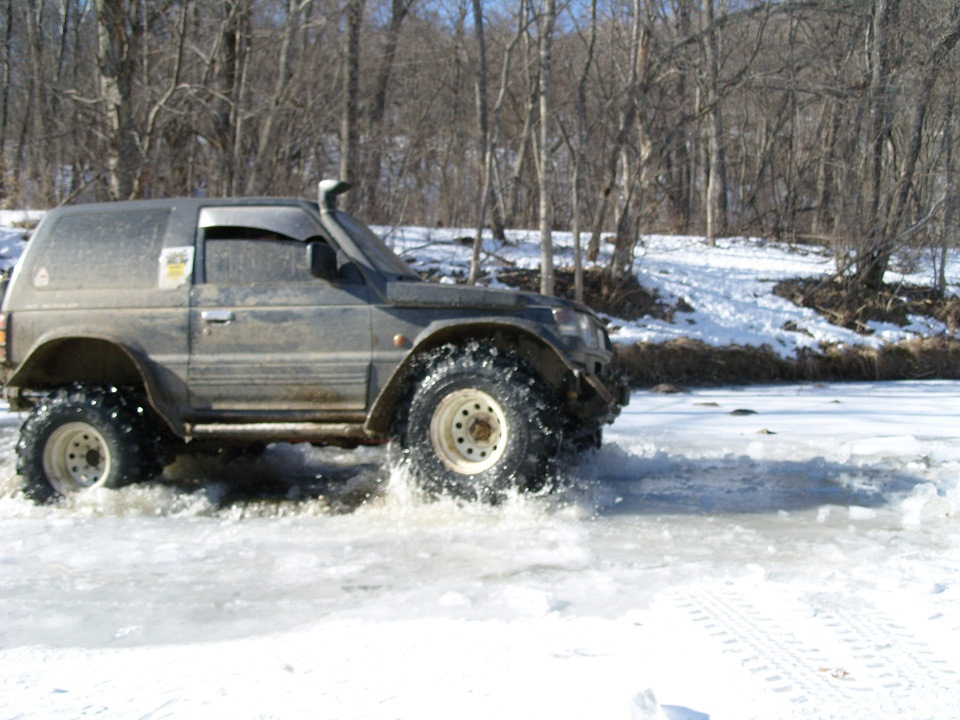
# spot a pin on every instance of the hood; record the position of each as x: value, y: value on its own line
x: 424, y: 294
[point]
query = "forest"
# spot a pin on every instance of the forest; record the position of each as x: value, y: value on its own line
x: 828, y: 121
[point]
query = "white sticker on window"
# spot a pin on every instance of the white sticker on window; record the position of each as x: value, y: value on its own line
x: 176, y: 267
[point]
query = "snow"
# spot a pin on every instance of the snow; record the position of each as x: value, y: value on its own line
x: 12, y: 238
x: 801, y: 561
x: 729, y: 286
x: 785, y: 551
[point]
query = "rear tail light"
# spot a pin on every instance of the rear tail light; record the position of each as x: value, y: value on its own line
x: 3, y: 336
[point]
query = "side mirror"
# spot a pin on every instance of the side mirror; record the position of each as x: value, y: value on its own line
x: 322, y: 259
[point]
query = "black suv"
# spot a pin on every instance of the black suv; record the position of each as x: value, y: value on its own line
x: 133, y: 331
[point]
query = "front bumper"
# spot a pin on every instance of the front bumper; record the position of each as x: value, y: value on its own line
x: 597, y: 402
x: 615, y: 394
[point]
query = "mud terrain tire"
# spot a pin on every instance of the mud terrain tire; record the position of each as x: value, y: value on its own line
x: 478, y: 422
x: 84, y: 437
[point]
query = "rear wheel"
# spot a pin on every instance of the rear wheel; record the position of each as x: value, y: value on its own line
x: 477, y: 423
x: 84, y: 437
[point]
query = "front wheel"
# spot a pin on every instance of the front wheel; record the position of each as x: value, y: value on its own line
x: 477, y: 423
x: 83, y: 437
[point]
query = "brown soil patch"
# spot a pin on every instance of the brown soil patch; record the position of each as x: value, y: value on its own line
x: 847, y: 305
x: 692, y: 363
x: 623, y: 298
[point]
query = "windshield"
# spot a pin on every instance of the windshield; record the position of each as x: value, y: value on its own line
x: 382, y: 257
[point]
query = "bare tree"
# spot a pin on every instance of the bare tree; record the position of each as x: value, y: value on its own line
x: 220, y: 89
x: 548, y: 21
x: 580, y: 151
x: 874, y: 258
x: 5, y: 97
x: 813, y: 117
x: 119, y: 38
x: 949, y: 230
x: 523, y: 143
x: 625, y: 240
x: 715, y: 201
x: 271, y: 116
x: 349, y: 129
x: 483, y: 140
x: 882, y: 37
x: 399, y: 9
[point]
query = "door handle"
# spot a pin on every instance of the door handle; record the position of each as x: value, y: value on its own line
x: 219, y: 317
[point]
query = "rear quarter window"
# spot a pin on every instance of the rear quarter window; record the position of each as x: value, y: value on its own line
x: 103, y: 250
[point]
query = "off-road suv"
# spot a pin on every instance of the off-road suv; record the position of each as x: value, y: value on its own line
x: 133, y: 330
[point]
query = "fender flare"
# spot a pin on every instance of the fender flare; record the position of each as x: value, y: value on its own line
x: 137, y: 360
x: 495, y: 331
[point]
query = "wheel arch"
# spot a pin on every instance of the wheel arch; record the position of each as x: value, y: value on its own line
x: 81, y: 437
x: 94, y: 360
x: 541, y: 355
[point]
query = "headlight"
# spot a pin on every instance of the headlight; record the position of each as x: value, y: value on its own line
x: 574, y: 324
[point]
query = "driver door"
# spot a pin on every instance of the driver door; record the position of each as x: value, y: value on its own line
x: 268, y: 339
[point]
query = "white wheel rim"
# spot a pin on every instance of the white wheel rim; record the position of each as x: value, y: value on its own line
x: 468, y: 431
x: 76, y: 457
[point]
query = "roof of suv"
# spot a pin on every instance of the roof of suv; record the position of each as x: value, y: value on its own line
x: 124, y: 205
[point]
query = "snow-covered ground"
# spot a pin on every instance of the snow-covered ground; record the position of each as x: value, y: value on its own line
x: 13, y: 234
x: 799, y: 561
x: 768, y: 552
x: 729, y: 286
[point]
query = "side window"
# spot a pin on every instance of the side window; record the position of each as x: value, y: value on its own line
x: 103, y: 250
x: 246, y: 256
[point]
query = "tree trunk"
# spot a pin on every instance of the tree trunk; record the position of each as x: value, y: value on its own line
x: 716, y: 200
x: 349, y: 130
x: 621, y: 262
x: 889, y: 224
x: 524, y: 142
x: 5, y: 101
x: 119, y: 34
x: 871, y: 257
x: 149, y: 126
x: 949, y: 199
x: 483, y: 145
x: 35, y: 121
x: 580, y: 152
x: 258, y: 179
x: 225, y: 76
x: 398, y: 11
x: 824, y: 219
x: 683, y: 185
x: 545, y: 166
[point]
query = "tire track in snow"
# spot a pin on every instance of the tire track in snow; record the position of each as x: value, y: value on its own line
x: 892, y: 675
x: 770, y: 650
x: 901, y: 668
